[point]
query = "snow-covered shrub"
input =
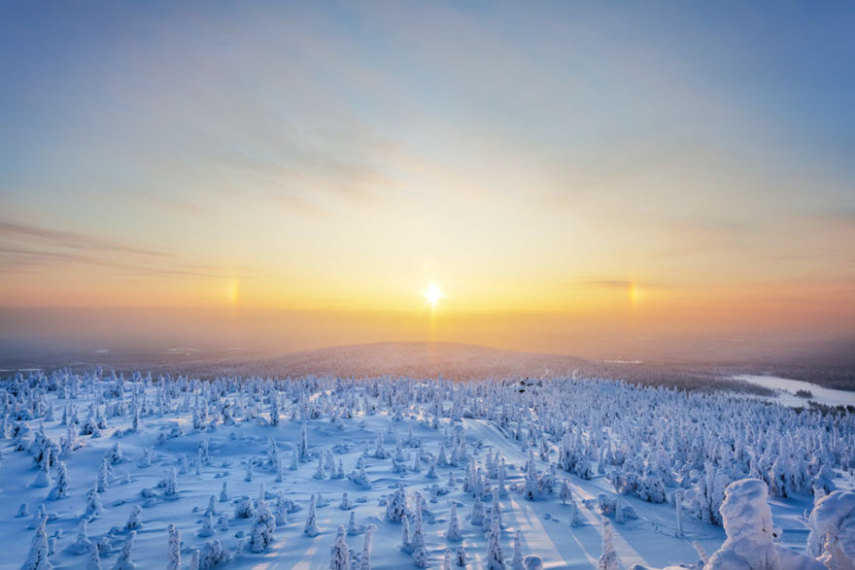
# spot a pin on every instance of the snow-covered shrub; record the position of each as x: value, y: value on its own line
x: 263, y: 529
x: 212, y: 555
x: 396, y: 506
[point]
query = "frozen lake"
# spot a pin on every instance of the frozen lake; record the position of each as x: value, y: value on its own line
x: 787, y: 389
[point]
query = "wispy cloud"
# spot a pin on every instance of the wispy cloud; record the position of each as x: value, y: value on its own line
x: 24, y: 245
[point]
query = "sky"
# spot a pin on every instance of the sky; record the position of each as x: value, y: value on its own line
x: 562, y: 171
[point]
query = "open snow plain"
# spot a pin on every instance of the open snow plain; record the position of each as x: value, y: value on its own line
x: 261, y: 473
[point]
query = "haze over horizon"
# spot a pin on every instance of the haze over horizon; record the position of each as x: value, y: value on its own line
x: 572, y: 178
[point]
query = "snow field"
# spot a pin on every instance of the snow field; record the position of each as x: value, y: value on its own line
x: 621, y: 451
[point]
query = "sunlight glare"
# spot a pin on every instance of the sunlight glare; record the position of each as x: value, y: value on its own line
x: 432, y: 294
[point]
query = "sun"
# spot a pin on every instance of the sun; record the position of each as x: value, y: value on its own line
x: 432, y: 295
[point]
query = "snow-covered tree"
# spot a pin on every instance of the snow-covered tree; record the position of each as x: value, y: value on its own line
x: 124, y: 560
x: 212, y: 506
x: 311, y: 526
x: 420, y: 558
x: 476, y: 518
x: 396, y: 507
x: 207, y: 526
x: 532, y: 487
x: 352, y: 529
x: 60, y: 489
x: 170, y: 487
x: 212, y: 555
x: 93, y: 504
x: 406, y: 541
x: 517, y: 561
x: 495, y: 558
x: 244, y: 508
x: 38, y: 556
x: 94, y: 558
x: 340, y: 553
x: 195, y: 559
x: 173, y: 548
x: 103, y: 480
x: 747, y: 520
x: 446, y: 560
x: 365, y: 558
x: 460, y: 556
x: 832, y: 530
x: 263, y: 529
x: 453, y: 532
x: 609, y: 558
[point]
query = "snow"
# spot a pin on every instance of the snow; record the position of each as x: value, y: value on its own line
x: 787, y: 391
x: 197, y: 440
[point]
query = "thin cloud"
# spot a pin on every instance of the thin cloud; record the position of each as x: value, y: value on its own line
x: 19, y: 231
x: 23, y: 245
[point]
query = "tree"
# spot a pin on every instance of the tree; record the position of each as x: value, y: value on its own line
x: 352, y: 529
x: 173, y: 548
x: 212, y: 555
x: 496, y: 510
x: 124, y: 560
x: 531, y: 480
x: 453, y: 532
x: 566, y: 492
x: 446, y: 560
x: 60, y: 489
x: 340, y: 554
x: 38, y: 557
x: 365, y: 559
x: 420, y: 558
x: 207, y: 526
x: 93, y: 504
x: 94, y: 561
x: 396, y: 508
x: 460, y: 556
x: 274, y: 409
x: 311, y: 527
x: 832, y: 530
x: 263, y: 529
x: 244, y: 508
x: 747, y: 520
x: 609, y: 558
x: 195, y: 559
x: 303, y: 448
x: 134, y: 519
x: 517, y: 563
x: 495, y: 558
x: 170, y: 485
x: 477, y: 516
x: 406, y: 543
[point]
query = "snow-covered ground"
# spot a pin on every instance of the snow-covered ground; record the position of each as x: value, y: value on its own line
x: 542, y: 447
x: 787, y: 390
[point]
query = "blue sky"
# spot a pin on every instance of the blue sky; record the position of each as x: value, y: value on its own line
x: 172, y: 153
